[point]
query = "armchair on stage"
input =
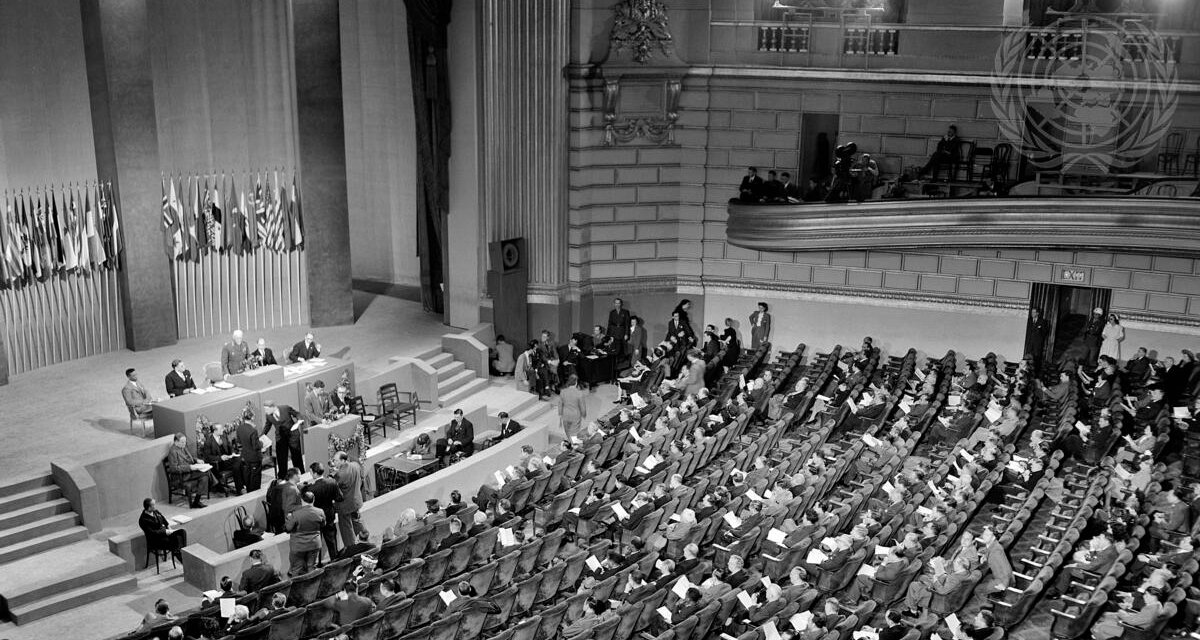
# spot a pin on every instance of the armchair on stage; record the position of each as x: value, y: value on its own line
x: 392, y: 406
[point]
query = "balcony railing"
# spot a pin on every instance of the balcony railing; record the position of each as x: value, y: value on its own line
x: 783, y: 38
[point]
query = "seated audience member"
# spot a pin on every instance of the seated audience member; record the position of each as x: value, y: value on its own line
x: 137, y: 399
x: 306, y: 349
x: 751, y: 188
x: 262, y: 355
x: 159, y: 615
x: 184, y: 469
x: 791, y: 190
x: 247, y: 534
x: 159, y: 534
x: 362, y: 544
x: 507, y: 426
x: 772, y: 189
x: 259, y: 574
x: 276, y: 606
x: 939, y: 580
x: 349, y: 606
x: 455, y: 536
x: 500, y: 358
x: 595, y: 612
x: 1111, y: 624
x: 179, y: 379
x: 946, y: 152
x: 460, y: 435
x: 817, y: 191
x: 239, y: 620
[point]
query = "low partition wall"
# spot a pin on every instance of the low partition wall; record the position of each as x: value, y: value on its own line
x: 103, y: 487
x: 203, y: 567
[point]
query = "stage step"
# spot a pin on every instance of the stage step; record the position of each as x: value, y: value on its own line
x: 450, y: 370
x: 432, y: 353
x: 41, y: 543
x: 38, y: 528
x: 71, y: 598
x: 26, y: 484
x: 32, y: 513
x: 536, y: 413
x: 475, y: 385
x: 29, y: 497
x: 453, y: 382
x: 41, y: 576
x: 440, y: 360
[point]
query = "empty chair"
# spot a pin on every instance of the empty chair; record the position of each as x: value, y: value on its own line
x: 304, y: 588
x: 425, y: 606
x: 287, y: 625
x: 506, y: 566
x: 504, y: 600
x: 482, y: 578
x: 527, y: 591
x: 391, y: 553
x: 485, y: 545
x: 408, y: 576
x: 395, y: 619
x: 527, y: 629
x: 551, y: 620
x: 336, y: 574
x: 549, y: 586
x: 460, y: 557
x: 446, y: 628
x: 472, y: 621
x: 435, y: 568
x: 317, y: 618
x: 530, y: 551
x: 368, y: 628
x: 255, y: 632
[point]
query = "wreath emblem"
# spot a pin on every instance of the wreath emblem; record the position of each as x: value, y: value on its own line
x: 1085, y: 93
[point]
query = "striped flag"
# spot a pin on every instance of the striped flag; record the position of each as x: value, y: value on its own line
x: 260, y: 213
x: 294, y: 210
x: 69, y: 232
x: 112, y: 225
x: 5, y: 259
x: 26, y: 234
x: 93, y: 232
x: 172, y: 222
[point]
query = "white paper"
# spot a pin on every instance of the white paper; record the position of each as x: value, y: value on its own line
x: 1181, y: 412
x: 954, y: 400
x: 924, y: 512
x: 507, y: 537
x: 801, y: 620
x: 865, y: 399
x: 622, y: 514
x: 266, y: 441
x: 548, y: 460
x: 212, y: 594
x: 593, y: 563
x: 816, y: 556
x: 499, y: 478
x: 842, y: 365
x: 651, y: 461
x: 681, y: 586
x: 953, y: 624
x: 181, y: 519
x: 776, y: 536
x: 742, y: 381
x: 769, y: 631
x: 881, y: 550
x: 227, y: 606
x: 633, y: 432
x: 665, y: 613
x: 447, y: 596
x: 202, y: 467
x: 750, y: 493
x: 853, y: 407
x: 966, y: 456
x: 866, y: 570
x: 993, y: 414
x: 906, y: 405
x: 920, y: 374
x: 945, y: 420
x: 888, y: 487
x: 746, y: 599
x: 732, y: 520
x: 872, y: 441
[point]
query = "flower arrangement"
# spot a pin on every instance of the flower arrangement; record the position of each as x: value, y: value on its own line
x: 357, y: 440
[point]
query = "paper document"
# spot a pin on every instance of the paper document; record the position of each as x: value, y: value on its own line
x: 993, y: 414
x: 665, y: 613
x: 499, y: 477
x: 593, y: 563
x: 548, y: 460
x: 801, y: 620
x: 1181, y: 413
x: 866, y: 570
x: 966, y: 456
x: 954, y: 401
x: 574, y: 510
x: 681, y: 586
x: 651, y: 461
x: 750, y: 493
x: 746, y: 599
x: 447, y: 596
x: 865, y: 399
x: 953, y: 625
x: 888, y: 487
x: 872, y: 441
x: 920, y: 374
x: 227, y: 606
x: 881, y: 550
x: 622, y: 514
x: 906, y: 405
x: 212, y: 594
x: 769, y: 631
x: 776, y: 536
x: 181, y: 519
x: 732, y: 520
x: 202, y: 467
x: 265, y: 441
x: 816, y: 556
x: 507, y: 537
x: 633, y: 432
x: 853, y: 407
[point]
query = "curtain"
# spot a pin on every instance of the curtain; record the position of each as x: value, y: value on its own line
x: 427, y: 28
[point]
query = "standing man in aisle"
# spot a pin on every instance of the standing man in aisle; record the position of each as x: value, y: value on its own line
x: 234, y: 355
x: 289, y: 435
x: 618, y: 328
x: 350, y: 481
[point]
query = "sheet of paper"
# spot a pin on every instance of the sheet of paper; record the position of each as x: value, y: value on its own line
x: 866, y: 570
x: 592, y: 563
x: 181, y: 519
x: 681, y: 586
x: 906, y: 405
x: 865, y: 399
x: 265, y: 441
x: 801, y: 620
x: 750, y: 493
x: 776, y: 536
x: 212, y: 594
x: 447, y: 596
x: 920, y: 374
x: 732, y: 520
x: 842, y: 365
x: 953, y: 625
x: 924, y: 512
x: 507, y: 537
x: 872, y: 441
x: 888, y: 487
x: 633, y: 432
x: 853, y: 407
x: 881, y: 550
x: 746, y: 599
x: 769, y: 631
x: 945, y: 420
x: 622, y: 514
x: 227, y: 606
x: 766, y: 581
x: 665, y: 613
x: 203, y: 467
x: 499, y: 477
x: 816, y: 556
x: 1181, y: 413
x: 574, y: 510
x: 548, y: 460
x: 966, y: 455
x: 993, y: 414
x: 651, y: 461
x: 742, y: 381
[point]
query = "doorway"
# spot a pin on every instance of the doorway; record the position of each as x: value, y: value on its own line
x: 1066, y: 310
x: 818, y: 135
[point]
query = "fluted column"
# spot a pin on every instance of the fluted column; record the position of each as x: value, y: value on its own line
x: 524, y: 106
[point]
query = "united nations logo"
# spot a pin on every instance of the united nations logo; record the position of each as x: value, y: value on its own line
x: 1085, y: 93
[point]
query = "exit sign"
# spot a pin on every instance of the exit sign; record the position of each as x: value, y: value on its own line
x: 1073, y: 275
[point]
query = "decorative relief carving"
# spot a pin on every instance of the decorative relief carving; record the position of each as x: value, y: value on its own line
x: 656, y: 129
x: 640, y: 30
x: 642, y: 75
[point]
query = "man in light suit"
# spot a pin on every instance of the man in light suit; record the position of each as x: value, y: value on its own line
x: 692, y: 382
x: 352, y: 484
x: 316, y: 403
x: 263, y: 353
x: 234, y: 355
x: 287, y: 442
x: 760, y: 326
x: 135, y: 395
x: 179, y: 380
x: 304, y: 547
x: 181, y: 465
x: 306, y: 349
x: 618, y: 327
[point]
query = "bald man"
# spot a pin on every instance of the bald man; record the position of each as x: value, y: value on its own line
x: 234, y: 355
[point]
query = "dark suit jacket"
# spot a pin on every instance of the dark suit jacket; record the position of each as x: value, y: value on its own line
x: 463, y: 431
x: 212, y: 449
x: 451, y: 540
x: 355, y: 607
x: 282, y: 424
x: 178, y: 385
x: 154, y: 525
x: 248, y: 442
x: 618, y: 324
x: 258, y: 576
x: 511, y: 428
x: 325, y: 493
x: 301, y: 351
x: 305, y: 526
x: 266, y: 356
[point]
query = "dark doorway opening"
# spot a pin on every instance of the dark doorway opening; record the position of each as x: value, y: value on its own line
x: 818, y: 135
x: 1066, y: 310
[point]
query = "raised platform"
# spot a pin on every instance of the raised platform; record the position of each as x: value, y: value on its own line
x: 46, y: 583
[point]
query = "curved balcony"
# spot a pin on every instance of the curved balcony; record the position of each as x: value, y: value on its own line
x: 1160, y: 226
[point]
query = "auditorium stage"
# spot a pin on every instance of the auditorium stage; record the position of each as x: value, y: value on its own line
x: 74, y: 409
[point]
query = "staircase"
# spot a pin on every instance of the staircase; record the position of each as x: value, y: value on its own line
x: 48, y: 563
x: 454, y: 381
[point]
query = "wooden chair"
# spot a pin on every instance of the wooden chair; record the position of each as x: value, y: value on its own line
x: 140, y: 417
x: 371, y: 422
x: 174, y: 488
x: 1168, y: 158
x: 390, y: 402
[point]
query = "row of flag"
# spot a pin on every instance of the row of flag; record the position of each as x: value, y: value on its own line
x: 56, y: 230
x: 206, y: 213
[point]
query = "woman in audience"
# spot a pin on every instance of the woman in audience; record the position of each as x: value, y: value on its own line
x: 1114, y: 335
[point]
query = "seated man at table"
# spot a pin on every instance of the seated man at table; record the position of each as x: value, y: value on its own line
x: 179, y: 379
x: 340, y: 401
x: 183, y: 468
x: 137, y: 399
x: 263, y: 355
x: 422, y: 447
x: 218, y: 450
x: 306, y: 349
x: 460, y: 435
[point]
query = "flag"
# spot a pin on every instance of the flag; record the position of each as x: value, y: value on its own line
x: 93, y: 230
x: 297, y: 228
x: 283, y: 206
x: 5, y: 245
x: 112, y: 224
x: 26, y: 232
x: 249, y: 235
x: 68, y: 229
x: 191, y: 241
x: 212, y: 216
x: 230, y: 225
x: 274, y: 216
x: 37, y: 224
x: 236, y: 224
x: 172, y: 222
x: 260, y: 214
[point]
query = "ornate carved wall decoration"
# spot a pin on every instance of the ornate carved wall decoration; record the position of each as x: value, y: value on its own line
x: 642, y: 75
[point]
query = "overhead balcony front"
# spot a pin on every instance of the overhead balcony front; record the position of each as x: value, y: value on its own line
x: 1157, y: 226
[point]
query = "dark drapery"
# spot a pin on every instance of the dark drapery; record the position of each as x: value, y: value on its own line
x: 427, y: 28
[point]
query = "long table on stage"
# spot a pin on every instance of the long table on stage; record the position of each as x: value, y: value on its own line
x: 179, y: 414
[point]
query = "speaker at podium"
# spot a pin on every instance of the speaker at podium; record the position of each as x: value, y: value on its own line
x: 508, y: 281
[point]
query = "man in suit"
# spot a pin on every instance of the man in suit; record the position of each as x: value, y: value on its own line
x: 947, y: 152
x: 791, y: 190
x: 1093, y: 335
x: 349, y: 475
x: 1138, y: 370
x: 315, y: 404
x: 921, y: 591
x: 326, y: 494
x: 289, y: 435
x: 1095, y: 557
x: 159, y: 534
x: 263, y: 354
x: 306, y: 349
x: 388, y: 594
x: 751, y: 188
x: 460, y: 435
x: 260, y: 574
x: 218, y: 450
x: 887, y: 568
x: 251, y: 448
x: 455, y: 536
x: 179, y: 379
x: 618, y: 327
x: 184, y: 468
x: 304, y: 547
x: 234, y: 355
x: 340, y: 400
x: 135, y: 395
x: 760, y: 326
x: 508, y: 426
x: 772, y: 189
x: 479, y: 524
